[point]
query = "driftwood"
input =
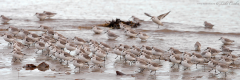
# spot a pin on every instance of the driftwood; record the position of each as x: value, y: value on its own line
x: 115, y: 24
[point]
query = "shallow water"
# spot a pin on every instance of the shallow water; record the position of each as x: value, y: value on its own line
x: 182, y: 28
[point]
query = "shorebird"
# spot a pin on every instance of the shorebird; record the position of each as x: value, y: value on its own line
x: 143, y: 36
x: 84, y: 57
x: 234, y: 58
x: 49, y: 14
x: 8, y: 38
x: 146, y: 48
x: 226, y: 50
x: 23, y: 32
x: 97, y: 30
x: 157, y: 19
x: 186, y: 55
x: 135, y: 50
x: 130, y: 57
x: 41, y: 16
x: 212, y: 64
x: 61, y: 43
x: 226, y: 41
x: 124, y: 26
x: 131, y: 34
x: 78, y: 41
x: 142, y: 64
x: 5, y: 19
x: 222, y: 68
x: 13, y: 30
x: 111, y: 35
x: 153, y: 67
x: 40, y: 46
x: 197, y: 58
x: 176, y: 51
x: 197, y: 46
x: 146, y: 57
x: 97, y: 60
x: 44, y: 28
x: 125, y: 47
x: 34, y: 36
x: 66, y: 56
x: 187, y: 63
x: 157, y: 52
x: 100, y: 53
x: 225, y: 60
x: 175, y: 59
x: 78, y: 63
x: 208, y: 25
x: 105, y: 47
x: 136, y: 20
x: 118, y: 51
x: 206, y: 54
x: 17, y: 55
x: 70, y: 46
x: 28, y: 41
x: 213, y: 51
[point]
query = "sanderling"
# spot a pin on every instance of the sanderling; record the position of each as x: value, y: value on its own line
x: 213, y: 51
x: 206, y: 54
x: 84, y: 57
x: 226, y: 50
x: 70, y: 46
x: 13, y: 30
x: 157, y: 52
x: 145, y: 57
x: 197, y: 46
x: 131, y: 33
x: 222, y: 68
x: 5, y: 19
x: 130, y: 57
x: 41, y: 16
x: 23, y: 32
x: 28, y: 41
x: 146, y: 47
x: 124, y: 26
x: 143, y: 36
x: 233, y: 57
x: 34, y: 36
x: 17, y: 55
x: 111, y: 35
x: 175, y: 59
x: 137, y: 20
x: 78, y: 63
x: 226, y: 41
x: 78, y: 41
x: 158, y: 18
x: 44, y: 28
x: 66, y: 56
x: 118, y: 51
x: 153, y: 67
x: 97, y: 30
x: 176, y: 51
x: 212, y: 64
x: 104, y: 46
x: 186, y: 55
x: 8, y: 38
x: 49, y: 14
x: 135, y: 50
x: 97, y: 60
x: 61, y: 43
x: 142, y: 64
x: 187, y: 63
x: 225, y: 60
x: 40, y: 46
x: 197, y: 58
x: 208, y: 25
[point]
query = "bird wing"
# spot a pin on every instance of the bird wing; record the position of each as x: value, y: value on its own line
x: 147, y: 14
x: 163, y: 15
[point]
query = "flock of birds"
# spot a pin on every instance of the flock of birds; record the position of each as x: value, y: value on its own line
x: 89, y: 51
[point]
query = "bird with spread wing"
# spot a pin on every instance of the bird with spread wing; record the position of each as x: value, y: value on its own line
x: 157, y: 19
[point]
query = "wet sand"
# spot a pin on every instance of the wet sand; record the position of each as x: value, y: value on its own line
x: 160, y: 38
